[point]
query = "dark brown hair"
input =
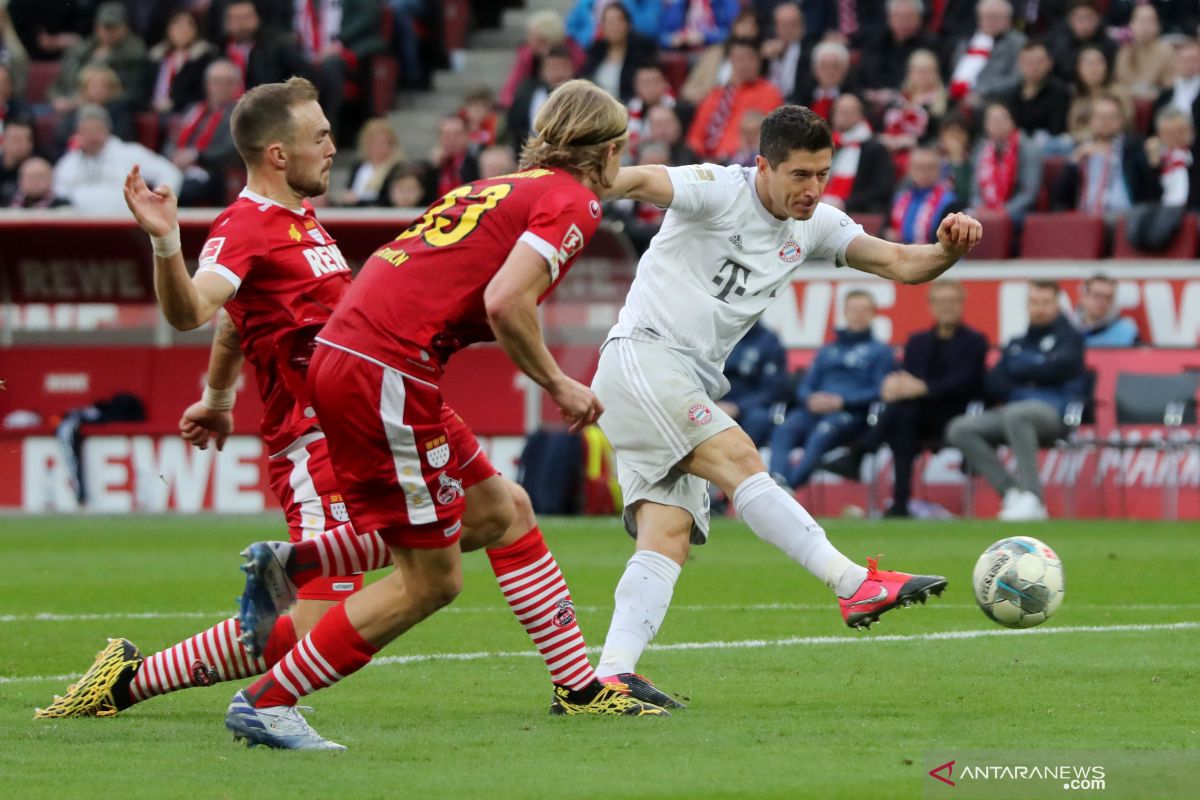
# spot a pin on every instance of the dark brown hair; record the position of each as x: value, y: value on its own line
x: 789, y: 128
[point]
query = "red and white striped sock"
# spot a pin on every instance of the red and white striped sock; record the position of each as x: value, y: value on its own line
x: 538, y: 595
x: 332, y: 650
x: 338, y: 551
x: 209, y: 657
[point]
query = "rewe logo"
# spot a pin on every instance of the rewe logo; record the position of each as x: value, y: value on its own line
x: 947, y: 779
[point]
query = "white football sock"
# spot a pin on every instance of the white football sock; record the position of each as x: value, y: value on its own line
x: 776, y: 517
x: 642, y: 598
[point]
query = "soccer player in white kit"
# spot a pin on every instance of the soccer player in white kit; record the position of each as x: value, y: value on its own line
x: 732, y: 239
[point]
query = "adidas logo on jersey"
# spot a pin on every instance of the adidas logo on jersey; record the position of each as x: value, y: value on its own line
x: 736, y: 240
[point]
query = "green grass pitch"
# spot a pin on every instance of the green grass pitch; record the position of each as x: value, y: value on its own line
x: 785, y: 701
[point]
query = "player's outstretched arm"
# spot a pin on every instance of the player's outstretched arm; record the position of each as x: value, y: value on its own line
x: 511, y: 301
x: 187, y: 303
x: 648, y: 184
x: 211, y: 417
x: 916, y: 263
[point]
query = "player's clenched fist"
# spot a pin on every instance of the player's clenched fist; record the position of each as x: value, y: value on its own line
x: 200, y: 423
x: 579, y: 405
x: 959, y: 233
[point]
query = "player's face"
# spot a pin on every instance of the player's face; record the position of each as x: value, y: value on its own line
x: 616, y: 151
x: 310, y: 153
x: 794, y: 187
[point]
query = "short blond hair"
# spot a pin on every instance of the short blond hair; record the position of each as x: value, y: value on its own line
x: 547, y: 25
x: 574, y: 128
x: 264, y: 115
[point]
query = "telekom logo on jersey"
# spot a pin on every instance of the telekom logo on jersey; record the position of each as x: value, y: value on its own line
x: 325, y: 259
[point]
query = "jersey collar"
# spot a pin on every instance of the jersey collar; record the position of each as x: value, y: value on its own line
x: 266, y: 201
x: 766, y: 216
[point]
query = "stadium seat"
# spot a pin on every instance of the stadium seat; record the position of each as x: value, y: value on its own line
x: 146, y: 124
x: 38, y: 82
x: 1183, y: 246
x: 457, y: 18
x: 1069, y: 235
x: 872, y: 223
x: 1143, y: 116
x: 45, y: 130
x: 385, y: 76
x: 675, y: 69
x: 1051, y: 168
x: 997, y: 239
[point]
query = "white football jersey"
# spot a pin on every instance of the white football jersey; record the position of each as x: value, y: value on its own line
x: 719, y: 260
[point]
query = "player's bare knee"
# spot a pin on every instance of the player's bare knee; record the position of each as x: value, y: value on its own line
x: 439, y: 591
x: 489, y: 513
x: 524, y: 518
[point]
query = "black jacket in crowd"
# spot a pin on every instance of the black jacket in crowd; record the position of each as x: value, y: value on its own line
x: 953, y: 368
x: 1045, y: 111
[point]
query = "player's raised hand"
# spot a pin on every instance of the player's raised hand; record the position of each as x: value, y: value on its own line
x: 959, y: 233
x: 156, y: 210
x: 579, y: 405
x: 199, y: 424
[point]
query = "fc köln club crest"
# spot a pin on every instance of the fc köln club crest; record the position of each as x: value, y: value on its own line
x: 337, y: 508
x: 437, y: 452
x: 448, y: 489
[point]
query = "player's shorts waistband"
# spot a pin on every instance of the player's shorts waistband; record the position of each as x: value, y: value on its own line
x: 375, y: 361
x: 303, y: 441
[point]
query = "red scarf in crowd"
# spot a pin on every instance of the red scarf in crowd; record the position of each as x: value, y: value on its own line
x: 998, y: 174
x: 924, y: 223
x: 847, y: 150
x: 198, y: 127
x: 970, y: 64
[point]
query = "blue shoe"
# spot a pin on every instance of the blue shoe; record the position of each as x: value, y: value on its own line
x: 269, y: 593
x: 280, y: 727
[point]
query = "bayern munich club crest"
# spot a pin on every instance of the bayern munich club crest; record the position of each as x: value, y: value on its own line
x: 790, y: 252
x: 700, y: 414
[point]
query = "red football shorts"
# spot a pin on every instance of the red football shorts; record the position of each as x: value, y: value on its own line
x: 391, y: 449
x: 302, y: 478
x: 473, y: 464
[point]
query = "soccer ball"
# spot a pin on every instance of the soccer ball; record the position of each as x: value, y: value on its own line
x: 1018, y: 582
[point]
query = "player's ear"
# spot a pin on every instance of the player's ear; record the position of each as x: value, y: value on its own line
x: 275, y: 156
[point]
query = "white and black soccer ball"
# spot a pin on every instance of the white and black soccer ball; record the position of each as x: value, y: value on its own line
x: 1019, y: 582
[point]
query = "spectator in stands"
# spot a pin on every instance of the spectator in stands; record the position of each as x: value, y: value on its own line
x: 830, y: 78
x: 749, y: 131
x: 583, y: 23
x: 557, y: 68
x: 1098, y: 318
x: 478, y: 112
x: 11, y: 106
x: 954, y: 143
x: 954, y: 21
x: 1093, y: 78
x: 941, y: 374
x: 925, y: 199
x: 986, y: 64
x: 784, y: 51
x: 848, y: 22
x: 716, y: 128
x: 1084, y: 28
x: 758, y: 379
x: 1039, y: 105
x: 1176, y: 19
x: 262, y: 54
x: 496, y: 160
x: 650, y: 90
x: 451, y: 159
x: 665, y: 129
x: 338, y: 38
x: 861, y: 178
x: 617, y: 53
x: 686, y: 24
x: 1184, y: 92
x: 916, y: 110
x: 12, y: 52
x: 15, y: 147
x: 886, y: 56
x: 92, y: 176
x: 844, y: 380
x: 111, y: 45
x: 1038, y: 376
x: 1145, y: 65
x: 1007, y: 166
x: 182, y: 58
x: 35, y: 186
x: 100, y: 86
x: 712, y: 68
x: 1171, y: 152
x: 203, y: 147
x: 544, y: 31
x: 1107, y: 173
x: 382, y: 158
x: 407, y: 189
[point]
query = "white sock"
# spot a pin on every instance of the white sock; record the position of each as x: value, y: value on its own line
x: 642, y: 598
x: 776, y: 517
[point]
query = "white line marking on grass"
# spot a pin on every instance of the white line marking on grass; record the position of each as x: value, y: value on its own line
x: 49, y: 616
x: 748, y: 644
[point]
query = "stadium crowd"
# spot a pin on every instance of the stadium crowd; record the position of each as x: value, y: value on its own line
x: 1066, y: 105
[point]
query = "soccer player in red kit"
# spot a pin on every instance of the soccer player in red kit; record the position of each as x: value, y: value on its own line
x: 472, y: 268
x: 279, y: 274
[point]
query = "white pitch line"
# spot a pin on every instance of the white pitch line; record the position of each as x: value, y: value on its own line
x: 49, y: 616
x: 748, y: 644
